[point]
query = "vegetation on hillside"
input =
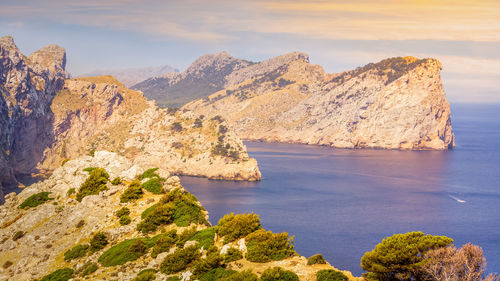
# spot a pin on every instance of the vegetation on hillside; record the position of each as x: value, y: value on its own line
x: 95, y: 183
x: 35, y: 200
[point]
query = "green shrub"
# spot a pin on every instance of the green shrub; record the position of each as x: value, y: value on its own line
x: 160, y: 215
x: 145, y: 275
x: 246, y: 275
x: 233, y: 227
x: 187, y: 212
x: 204, y: 237
x: 89, y: 169
x: 149, y: 173
x: 154, y: 185
x: 174, y: 278
x: 76, y: 252
x: 35, y: 200
x: 149, y: 210
x: 116, y: 181
x: 98, y: 242
x: 62, y: 274
x: 125, y: 251
x: 179, y: 260
x: 278, y: 274
x: 265, y: 246
x: 18, y: 235
x: 212, y: 261
x: 64, y: 161
x: 89, y: 268
x: 91, y: 152
x: 216, y: 274
x: 232, y: 254
x: 401, y: 255
x: 133, y: 192
x: 330, y: 275
x: 125, y: 220
x: 123, y: 212
x: 71, y: 191
x: 80, y: 224
x: 316, y: 259
x: 185, y: 236
x: 164, y: 242
x: 95, y: 183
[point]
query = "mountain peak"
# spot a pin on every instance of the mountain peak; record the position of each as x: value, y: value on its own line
x: 7, y: 42
x: 51, y: 56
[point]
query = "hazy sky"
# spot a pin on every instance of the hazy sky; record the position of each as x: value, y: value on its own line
x: 339, y: 35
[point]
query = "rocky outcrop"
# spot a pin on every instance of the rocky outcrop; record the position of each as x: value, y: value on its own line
x: 33, y: 241
x: 100, y: 113
x: 132, y: 76
x: 398, y: 103
x: 27, y: 87
x: 203, y: 77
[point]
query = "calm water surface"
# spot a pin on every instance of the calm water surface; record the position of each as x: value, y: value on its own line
x: 341, y: 203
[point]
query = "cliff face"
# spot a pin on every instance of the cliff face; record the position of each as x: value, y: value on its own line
x: 27, y: 86
x: 35, y: 240
x: 398, y: 103
x: 203, y: 77
x: 100, y: 113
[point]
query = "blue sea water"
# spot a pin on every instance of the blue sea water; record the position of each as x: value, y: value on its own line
x: 341, y: 203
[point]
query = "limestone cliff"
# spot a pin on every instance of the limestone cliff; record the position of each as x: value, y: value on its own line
x: 54, y: 232
x: 27, y: 86
x: 100, y: 113
x: 398, y: 103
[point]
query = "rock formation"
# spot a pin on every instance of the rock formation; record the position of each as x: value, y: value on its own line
x: 55, y: 233
x: 45, y: 119
x: 27, y: 86
x: 132, y: 76
x: 398, y: 103
x: 203, y: 77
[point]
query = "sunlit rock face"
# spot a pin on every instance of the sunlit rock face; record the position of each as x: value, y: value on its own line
x: 398, y: 103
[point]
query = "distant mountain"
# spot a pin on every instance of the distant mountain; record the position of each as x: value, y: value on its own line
x: 132, y: 76
x: 203, y: 77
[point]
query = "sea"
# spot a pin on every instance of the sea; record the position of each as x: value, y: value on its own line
x: 342, y: 202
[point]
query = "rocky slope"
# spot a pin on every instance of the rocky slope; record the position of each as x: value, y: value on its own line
x: 45, y: 119
x: 398, y: 103
x: 27, y: 86
x: 53, y: 234
x: 132, y: 76
x: 99, y: 113
x: 203, y: 77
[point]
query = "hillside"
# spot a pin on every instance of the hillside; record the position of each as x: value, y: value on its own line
x: 103, y: 218
x: 132, y: 76
x: 203, y: 77
x: 397, y: 103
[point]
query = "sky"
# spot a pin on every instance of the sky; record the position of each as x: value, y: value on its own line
x: 338, y: 35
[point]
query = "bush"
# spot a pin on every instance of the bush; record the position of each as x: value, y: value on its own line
x: 154, y: 185
x: 116, y: 181
x: 133, y: 192
x: 232, y: 254
x: 212, y: 261
x: 80, y: 224
x: 198, y: 123
x: 89, y: 268
x: 187, y: 212
x: 245, y: 275
x: 233, y: 227
x: 125, y: 251
x: 216, y: 274
x: 125, y: 220
x: 174, y: 278
x: 71, y: 191
x: 222, y: 129
x: 278, y: 274
x: 123, y: 212
x: 185, y: 236
x: 400, y: 255
x: 176, y: 127
x: 95, y: 183
x: 161, y: 214
x: 7, y: 264
x: 149, y: 173
x: 35, y: 200
x: 18, y: 235
x: 316, y: 259
x: 98, y: 242
x: 76, y: 252
x: 164, y: 242
x: 330, y: 275
x: 264, y: 246
x: 204, y: 237
x: 179, y: 260
x: 91, y: 152
x: 62, y: 274
x: 89, y: 169
x: 145, y: 275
